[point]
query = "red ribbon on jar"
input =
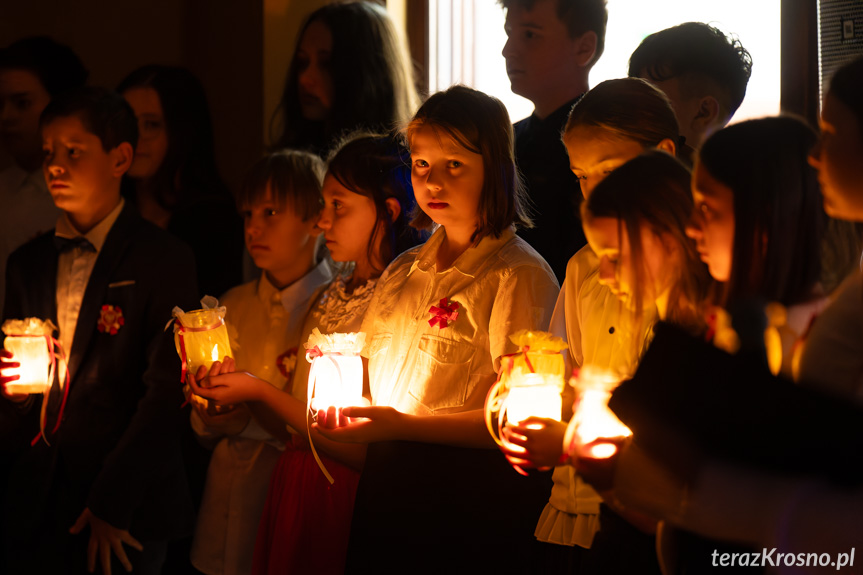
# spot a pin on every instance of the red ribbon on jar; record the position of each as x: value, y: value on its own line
x: 179, y: 330
x: 53, y: 355
x: 512, y: 357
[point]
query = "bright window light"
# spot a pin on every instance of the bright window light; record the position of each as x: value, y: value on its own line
x: 467, y: 36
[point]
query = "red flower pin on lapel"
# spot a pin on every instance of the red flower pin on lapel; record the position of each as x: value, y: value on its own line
x: 111, y: 319
x: 444, y: 313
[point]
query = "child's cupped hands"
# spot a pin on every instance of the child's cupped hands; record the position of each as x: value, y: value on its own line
x: 230, y: 422
x: 534, y: 443
x: 224, y: 385
x: 359, y: 424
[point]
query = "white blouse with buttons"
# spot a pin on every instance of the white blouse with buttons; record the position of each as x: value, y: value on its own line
x: 501, y: 286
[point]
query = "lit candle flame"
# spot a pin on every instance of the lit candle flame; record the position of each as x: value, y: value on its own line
x: 602, y: 450
x: 593, y: 420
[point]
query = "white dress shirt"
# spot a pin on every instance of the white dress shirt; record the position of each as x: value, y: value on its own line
x: 264, y: 325
x: 598, y: 330
x: 74, y: 267
x: 501, y: 285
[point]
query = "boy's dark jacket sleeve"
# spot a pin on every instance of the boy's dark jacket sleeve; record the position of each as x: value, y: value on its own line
x: 117, y: 449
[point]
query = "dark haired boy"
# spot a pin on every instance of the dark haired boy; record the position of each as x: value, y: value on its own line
x: 702, y: 71
x: 110, y: 487
x: 32, y: 71
x: 551, y: 47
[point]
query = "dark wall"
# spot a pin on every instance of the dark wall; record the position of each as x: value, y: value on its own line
x: 221, y: 41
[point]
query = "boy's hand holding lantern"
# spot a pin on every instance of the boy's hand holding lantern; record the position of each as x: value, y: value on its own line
x: 530, y: 384
x: 201, y: 337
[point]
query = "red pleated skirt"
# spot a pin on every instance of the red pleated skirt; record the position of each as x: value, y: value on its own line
x: 306, y: 521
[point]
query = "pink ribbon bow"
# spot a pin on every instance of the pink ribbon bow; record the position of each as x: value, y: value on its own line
x: 443, y: 314
x: 313, y: 353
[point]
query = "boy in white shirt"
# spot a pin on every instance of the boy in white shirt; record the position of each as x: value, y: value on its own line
x: 280, y: 202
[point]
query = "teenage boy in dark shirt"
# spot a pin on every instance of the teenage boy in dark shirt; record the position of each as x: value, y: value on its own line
x: 551, y: 47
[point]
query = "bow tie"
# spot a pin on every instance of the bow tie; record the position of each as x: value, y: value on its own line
x: 66, y: 244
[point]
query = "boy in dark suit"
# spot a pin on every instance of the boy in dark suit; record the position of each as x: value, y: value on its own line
x: 109, y: 280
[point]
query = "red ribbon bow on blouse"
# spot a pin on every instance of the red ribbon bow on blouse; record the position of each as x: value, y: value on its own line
x: 443, y: 314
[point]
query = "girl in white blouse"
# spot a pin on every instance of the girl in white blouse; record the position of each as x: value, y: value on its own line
x: 434, y: 493
x: 635, y: 222
x: 613, y: 123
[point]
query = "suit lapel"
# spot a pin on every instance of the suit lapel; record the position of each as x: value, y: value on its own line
x: 116, y: 244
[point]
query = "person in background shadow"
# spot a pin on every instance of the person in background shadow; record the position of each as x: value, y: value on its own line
x: 350, y: 71
x: 551, y: 47
x: 32, y: 71
x: 174, y: 181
